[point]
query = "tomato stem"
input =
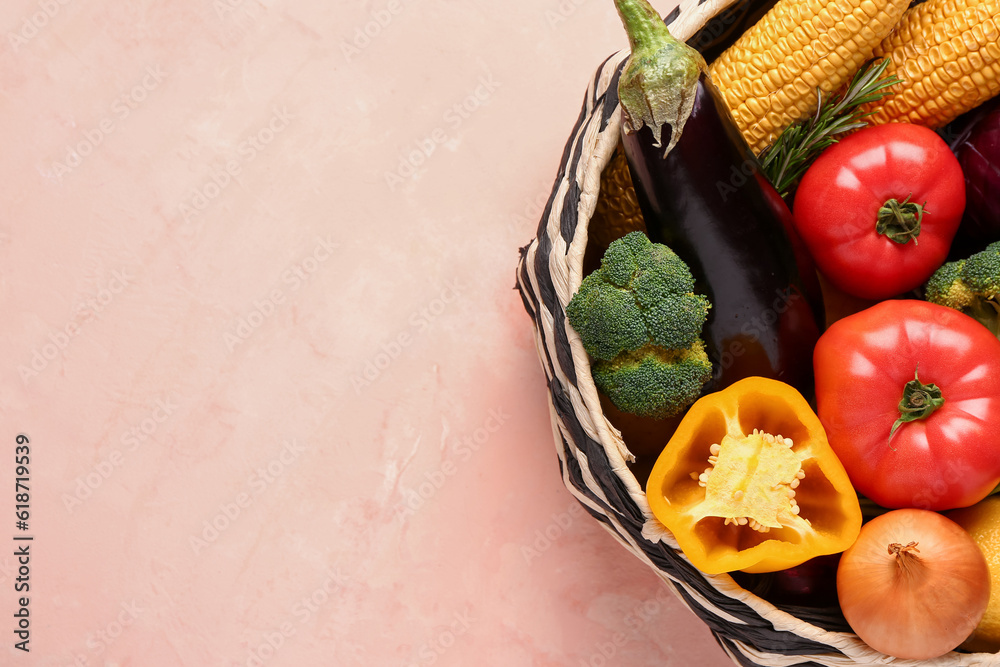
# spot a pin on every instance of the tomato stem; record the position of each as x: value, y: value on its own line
x: 919, y: 402
x: 900, y: 221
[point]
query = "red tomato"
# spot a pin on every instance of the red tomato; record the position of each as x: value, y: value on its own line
x: 871, y: 174
x: 945, y: 459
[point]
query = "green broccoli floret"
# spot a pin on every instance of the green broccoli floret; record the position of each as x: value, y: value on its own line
x: 971, y: 286
x: 640, y: 320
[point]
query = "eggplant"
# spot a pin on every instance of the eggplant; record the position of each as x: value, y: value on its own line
x: 702, y: 193
x: 811, y: 584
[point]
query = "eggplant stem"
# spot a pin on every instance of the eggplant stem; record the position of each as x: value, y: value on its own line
x: 643, y: 24
x: 657, y: 87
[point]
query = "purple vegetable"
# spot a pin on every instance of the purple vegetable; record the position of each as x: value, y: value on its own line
x: 979, y: 154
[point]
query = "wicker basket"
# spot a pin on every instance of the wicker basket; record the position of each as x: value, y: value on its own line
x: 592, y: 454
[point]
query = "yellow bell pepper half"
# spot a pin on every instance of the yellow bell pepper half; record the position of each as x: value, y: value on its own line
x: 749, y: 482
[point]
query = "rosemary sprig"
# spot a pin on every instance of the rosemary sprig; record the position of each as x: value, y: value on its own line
x: 785, y: 160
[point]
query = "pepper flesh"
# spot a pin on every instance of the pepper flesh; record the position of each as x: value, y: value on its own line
x: 774, y: 494
x: 751, y: 481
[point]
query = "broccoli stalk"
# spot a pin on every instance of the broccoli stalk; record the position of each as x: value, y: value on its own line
x: 640, y: 321
x: 970, y: 285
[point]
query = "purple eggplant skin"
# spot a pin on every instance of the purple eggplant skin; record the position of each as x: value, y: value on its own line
x: 811, y: 584
x: 708, y: 200
x: 978, y: 152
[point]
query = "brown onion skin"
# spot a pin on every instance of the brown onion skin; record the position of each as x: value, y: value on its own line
x: 923, y: 615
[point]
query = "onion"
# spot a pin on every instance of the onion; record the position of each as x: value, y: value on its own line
x: 914, y: 585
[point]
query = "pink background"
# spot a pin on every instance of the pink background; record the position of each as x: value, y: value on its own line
x: 283, y: 402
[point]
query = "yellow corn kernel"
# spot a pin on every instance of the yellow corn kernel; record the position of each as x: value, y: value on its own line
x: 799, y: 45
x: 946, y: 53
x: 617, y: 211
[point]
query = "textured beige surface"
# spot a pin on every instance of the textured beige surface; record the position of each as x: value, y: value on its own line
x: 284, y: 406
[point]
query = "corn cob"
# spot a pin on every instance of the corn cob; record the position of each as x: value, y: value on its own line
x: 948, y: 56
x: 770, y: 75
x: 617, y: 211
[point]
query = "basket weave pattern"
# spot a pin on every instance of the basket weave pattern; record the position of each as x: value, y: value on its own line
x: 592, y: 455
